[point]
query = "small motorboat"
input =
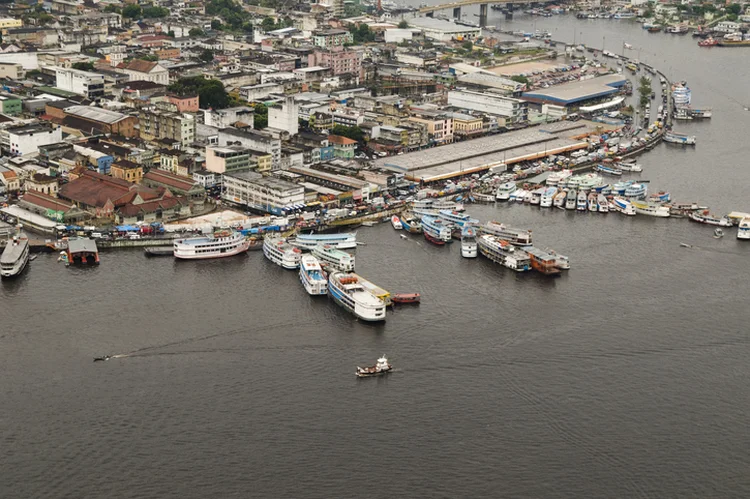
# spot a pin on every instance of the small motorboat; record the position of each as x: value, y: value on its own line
x: 718, y: 233
x: 406, y: 298
x: 396, y: 222
x: 102, y: 358
x: 686, y: 245
x: 379, y: 369
x: 403, y: 236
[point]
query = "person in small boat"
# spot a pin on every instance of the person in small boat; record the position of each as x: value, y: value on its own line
x: 103, y: 358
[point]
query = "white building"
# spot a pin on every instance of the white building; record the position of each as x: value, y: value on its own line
x: 285, y: 116
x: 79, y: 82
x: 222, y: 118
x: 727, y: 27
x: 139, y: 70
x: 514, y: 110
x: 26, y: 139
x: 398, y: 35
x: 253, y: 140
x: 444, y: 31
x: 265, y: 193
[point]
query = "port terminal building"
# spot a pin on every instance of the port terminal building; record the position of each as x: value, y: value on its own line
x: 578, y: 93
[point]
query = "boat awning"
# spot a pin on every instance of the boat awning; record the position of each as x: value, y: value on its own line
x: 126, y: 228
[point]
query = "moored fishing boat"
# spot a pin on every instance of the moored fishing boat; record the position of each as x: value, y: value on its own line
x: 519, y: 195
x: 342, y: 240
x: 435, y: 230
x: 629, y: 167
x: 650, y: 209
x: 379, y: 369
x: 602, y: 205
x: 559, y: 200
x: 547, y: 197
x: 331, y: 258
x: 505, y: 190
x: 608, y: 170
x: 396, y: 222
x: 536, y: 196
x: 660, y: 197
x: 504, y: 253
x: 588, y: 181
x: 743, y: 229
x: 280, y: 252
x: 411, y: 223
x: 592, y: 206
x: 581, y: 201
x: 468, y: 242
x: 311, y: 276
x: 542, y: 262
x: 406, y: 298
x: 704, y: 217
x: 519, y: 237
x: 15, y: 255
x: 623, y: 205
x: 570, y: 200
x: 347, y: 290
x: 559, y: 178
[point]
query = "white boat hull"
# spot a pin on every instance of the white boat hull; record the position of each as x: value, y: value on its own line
x: 469, y: 250
x: 241, y: 248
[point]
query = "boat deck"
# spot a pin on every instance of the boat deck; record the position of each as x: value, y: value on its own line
x: 375, y: 290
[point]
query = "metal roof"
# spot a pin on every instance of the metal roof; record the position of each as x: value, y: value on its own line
x: 95, y: 114
x: 82, y: 244
x: 578, y: 91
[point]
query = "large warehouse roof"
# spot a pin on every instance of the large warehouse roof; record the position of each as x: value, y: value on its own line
x: 578, y: 91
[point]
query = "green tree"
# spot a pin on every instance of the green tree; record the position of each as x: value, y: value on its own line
x: 112, y: 8
x: 644, y: 89
x: 735, y: 9
x: 170, y: 34
x: 83, y: 66
x: 211, y: 93
x: 132, y: 11
x: 520, y: 79
x: 352, y: 132
x: 196, y: 32
x: 468, y: 46
x: 153, y: 12
x: 403, y: 25
x: 362, y: 34
x: 268, y: 24
x: 216, y: 24
x: 260, y: 116
x: 207, y: 55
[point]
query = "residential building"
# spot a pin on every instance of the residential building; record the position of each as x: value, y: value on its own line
x: 12, y: 70
x: 352, y: 187
x: 127, y: 170
x: 444, y: 31
x: 284, y: 116
x: 329, y: 38
x: 9, y: 22
x: 253, y: 140
x: 185, y: 103
x: 177, y: 184
x: 146, y: 70
x: 170, y: 53
x: 206, y: 178
x: 343, y: 147
x: 339, y: 59
x: 86, y: 83
x: 10, y: 180
x: 90, y: 119
x: 439, y: 126
x: 222, y: 118
x: 10, y: 105
x: 40, y: 182
x: 227, y: 159
x: 161, y: 123
x: 263, y: 193
x: 513, y: 110
x: 26, y: 139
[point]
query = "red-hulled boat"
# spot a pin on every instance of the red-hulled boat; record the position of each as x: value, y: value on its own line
x: 708, y: 42
x: 434, y: 240
x: 406, y: 298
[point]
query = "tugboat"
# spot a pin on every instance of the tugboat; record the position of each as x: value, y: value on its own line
x: 405, y: 298
x: 379, y: 369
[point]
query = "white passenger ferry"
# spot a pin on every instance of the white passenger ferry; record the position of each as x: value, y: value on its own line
x: 312, y: 277
x: 504, y: 191
x: 281, y: 252
x: 347, y: 290
x: 504, y: 253
x: 220, y: 244
x: 331, y: 257
x: 343, y: 240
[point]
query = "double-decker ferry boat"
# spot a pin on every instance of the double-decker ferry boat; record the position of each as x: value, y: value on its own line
x: 435, y: 230
x: 312, y: 277
x: 651, y: 209
x: 504, y: 253
x: 636, y: 191
x: 433, y: 206
x: 15, y: 256
x: 458, y: 219
x: 543, y: 262
x: 347, y: 290
x: 330, y: 257
x: 504, y: 191
x: 704, y: 217
x: 519, y: 237
x: 559, y: 178
x: 468, y: 242
x: 281, y: 252
x: 343, y: 240
x: 570, y: 200
x: 220, y: 244
x: 548, y: 197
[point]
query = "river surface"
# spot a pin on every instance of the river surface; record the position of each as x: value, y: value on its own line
x: 626, y: 377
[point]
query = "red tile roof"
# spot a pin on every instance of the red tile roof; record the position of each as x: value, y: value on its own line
x: 338, y: 139
x: 170, y: 179
x: 94, y: 189
x: 140, y: 65
x: 47, y: 202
